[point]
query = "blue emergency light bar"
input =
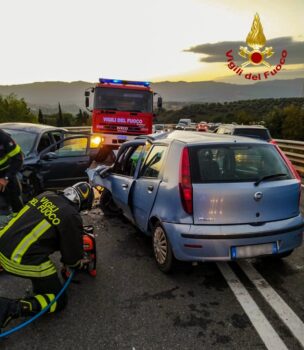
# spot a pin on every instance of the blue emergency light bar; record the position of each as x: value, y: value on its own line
x: 118, y: 81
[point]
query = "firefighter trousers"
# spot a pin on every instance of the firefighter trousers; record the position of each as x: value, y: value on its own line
x: 45, y: 290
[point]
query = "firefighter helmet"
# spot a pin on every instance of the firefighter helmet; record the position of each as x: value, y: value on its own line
x: 81, y: 194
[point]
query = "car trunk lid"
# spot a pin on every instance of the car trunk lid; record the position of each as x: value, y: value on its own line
x: 244, y: 203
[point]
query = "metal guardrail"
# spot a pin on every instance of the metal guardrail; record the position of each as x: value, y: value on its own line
x: 293, y: 149
x: 85, y: 129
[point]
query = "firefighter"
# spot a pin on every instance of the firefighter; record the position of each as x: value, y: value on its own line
x: 11, y: 160
x: 49, y: 222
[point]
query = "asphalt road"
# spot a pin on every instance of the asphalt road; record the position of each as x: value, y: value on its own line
x: 132, y: 305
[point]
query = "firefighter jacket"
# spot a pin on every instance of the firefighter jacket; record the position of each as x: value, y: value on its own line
x: 48, y: 223
x: 11, y: 158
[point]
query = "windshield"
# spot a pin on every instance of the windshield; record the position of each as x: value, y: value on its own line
x: 24, y: 139
x: 123, y: 100
x: 239, y: 163
x: 256, y: 133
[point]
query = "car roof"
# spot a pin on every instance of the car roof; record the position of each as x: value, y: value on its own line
x: 193, y: 137
x: 30, y: 127
x: 243, y: 126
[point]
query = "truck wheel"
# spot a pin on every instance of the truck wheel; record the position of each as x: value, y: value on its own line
x: 162, y: 250
x: 107, y: 204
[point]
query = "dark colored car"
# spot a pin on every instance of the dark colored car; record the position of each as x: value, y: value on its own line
x: 53, y: 157
x: 255, y: 131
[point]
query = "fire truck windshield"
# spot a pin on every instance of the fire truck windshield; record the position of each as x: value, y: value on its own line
x: 123, y: 100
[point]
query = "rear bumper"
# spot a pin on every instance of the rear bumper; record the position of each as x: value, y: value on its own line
x: 214, y: 243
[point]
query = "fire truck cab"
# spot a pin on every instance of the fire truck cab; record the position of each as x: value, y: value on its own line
x: 121, y: 110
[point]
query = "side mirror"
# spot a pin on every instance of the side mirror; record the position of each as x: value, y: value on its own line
x: 87, y: 101
x: 159, y: 103
x: 49, y: 156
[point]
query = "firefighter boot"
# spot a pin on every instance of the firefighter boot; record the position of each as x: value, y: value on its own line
x: 9, y: 309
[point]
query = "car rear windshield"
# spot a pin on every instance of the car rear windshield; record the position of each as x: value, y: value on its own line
x: 262, y: 134
x: 236, y: 163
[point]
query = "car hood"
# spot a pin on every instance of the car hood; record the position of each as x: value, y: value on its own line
x: 30, y: 159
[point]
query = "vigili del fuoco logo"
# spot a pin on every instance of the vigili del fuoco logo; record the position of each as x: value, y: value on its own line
x: 257, y: 56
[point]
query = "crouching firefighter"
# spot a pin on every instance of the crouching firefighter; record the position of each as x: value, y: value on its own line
x: 49, y: 222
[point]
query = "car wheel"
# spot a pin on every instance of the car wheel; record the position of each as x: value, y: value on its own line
x: 107, y: 204
x: 162, y: 250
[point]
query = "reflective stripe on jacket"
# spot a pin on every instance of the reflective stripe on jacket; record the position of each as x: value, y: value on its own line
x: 11, y: 158
x: 48, y: 223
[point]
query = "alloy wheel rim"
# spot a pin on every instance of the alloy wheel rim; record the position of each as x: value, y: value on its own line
x: 160, y: 245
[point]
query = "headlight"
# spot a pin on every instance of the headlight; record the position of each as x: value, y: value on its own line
x: 96, y: 141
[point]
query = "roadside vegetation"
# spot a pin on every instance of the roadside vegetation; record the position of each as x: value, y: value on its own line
x: 283, y: 116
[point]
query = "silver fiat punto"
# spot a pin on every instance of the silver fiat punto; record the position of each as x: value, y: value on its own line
x: 205, y: 197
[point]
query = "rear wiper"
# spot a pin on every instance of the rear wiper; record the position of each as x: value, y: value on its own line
x: 134, y: 110
x: 268, y: 177
x: 109, y: 109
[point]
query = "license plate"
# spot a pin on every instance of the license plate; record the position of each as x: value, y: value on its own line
x: 250, y: 251
x: 122, y: 137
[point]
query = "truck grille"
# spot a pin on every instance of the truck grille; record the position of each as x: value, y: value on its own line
x: 121, y: 129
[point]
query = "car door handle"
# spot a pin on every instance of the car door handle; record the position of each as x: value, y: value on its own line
x: 124, y: 186
x: 150, y: 188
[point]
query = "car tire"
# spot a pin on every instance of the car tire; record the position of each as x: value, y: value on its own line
x: 162, y: 249
x: 107, y: 204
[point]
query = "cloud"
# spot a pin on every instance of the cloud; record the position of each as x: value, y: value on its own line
x: 216, y: 52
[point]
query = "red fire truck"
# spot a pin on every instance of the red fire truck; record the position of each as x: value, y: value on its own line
x: 121, y: 110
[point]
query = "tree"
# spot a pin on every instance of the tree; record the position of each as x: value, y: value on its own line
x: 40, y: 117
x: 293, y: 124
x: 60, y: 117
x: 86, y: 118
x: 13, y: 109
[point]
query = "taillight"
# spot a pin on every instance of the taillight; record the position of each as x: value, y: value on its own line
x: 185, y: 184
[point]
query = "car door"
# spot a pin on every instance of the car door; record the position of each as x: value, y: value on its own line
x: 146, y: 185
x: 122, y: 176
x: 65, y: 163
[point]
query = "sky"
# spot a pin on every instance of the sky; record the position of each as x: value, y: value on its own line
x: 159, y: 40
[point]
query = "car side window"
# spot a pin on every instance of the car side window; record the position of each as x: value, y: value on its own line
x: 45, y: 141
x: 127, y: 161
x: 57, y: 136
x: 73, y: 147
x: 153, y: 162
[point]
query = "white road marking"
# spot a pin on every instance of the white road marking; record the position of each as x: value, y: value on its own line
x: 265, y: 330
x: 286, y: 314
